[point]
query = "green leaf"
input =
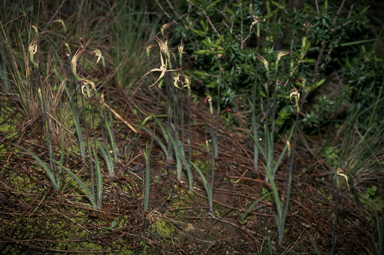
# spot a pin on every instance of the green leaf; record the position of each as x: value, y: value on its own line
x: 205, y: 182
x: 163, y: 147
x: 82, y: 184
x: 278, y: 5
x: 113, y: 224
x: 199, y: 32
x: 204, y: 26
x: 205, y: 52
x: 207, y: 42
x: 218, y: 41
x: 253, y: 205
x: 200, y: 73
x: 48, y: 171
x: 317, y: 84
x: 275, y: 194
x: 107, y: 158
x: 314, y: 244
x: 99, y: 181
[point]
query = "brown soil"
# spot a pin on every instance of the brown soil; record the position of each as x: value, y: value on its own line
x: 34, y: 219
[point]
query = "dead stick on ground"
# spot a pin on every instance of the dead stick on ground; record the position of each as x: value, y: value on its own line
x: 119, y: 117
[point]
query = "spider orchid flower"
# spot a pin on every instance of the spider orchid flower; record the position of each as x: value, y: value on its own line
x: 85, y: 85
x: 74, y: 62
x: 32, y: 48
x: 99, y: 56
x: 163, y: 67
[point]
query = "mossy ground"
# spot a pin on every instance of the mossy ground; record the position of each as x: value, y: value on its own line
x: 36, y: 218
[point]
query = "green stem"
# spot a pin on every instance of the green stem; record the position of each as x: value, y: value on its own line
x: 147, y: 178
x: 169, y: 118
x: 214, y: 135
x: 335, y: 219
x: 212, y: 167
x: 254, y: 123
x: 189, y: 136
x: 377, y: 101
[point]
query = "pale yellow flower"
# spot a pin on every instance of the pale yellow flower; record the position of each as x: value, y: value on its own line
x: 294, y: 93
x: 85, y: 85
x: 98, y: 55
x: 163, y: 67
x: 62, y: 23
x: 36, y: 30
x: 185, y: 83
x: 264, y: 60
x: 164, y: 27
x: 74, y: 61
x: 32, y: 48
x: 340, y: 172
x: 281, y: 54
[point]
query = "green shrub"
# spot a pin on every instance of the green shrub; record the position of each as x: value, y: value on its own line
x: 221, y: 40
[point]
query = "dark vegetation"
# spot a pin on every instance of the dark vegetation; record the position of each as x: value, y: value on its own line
x: 191, y: 127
